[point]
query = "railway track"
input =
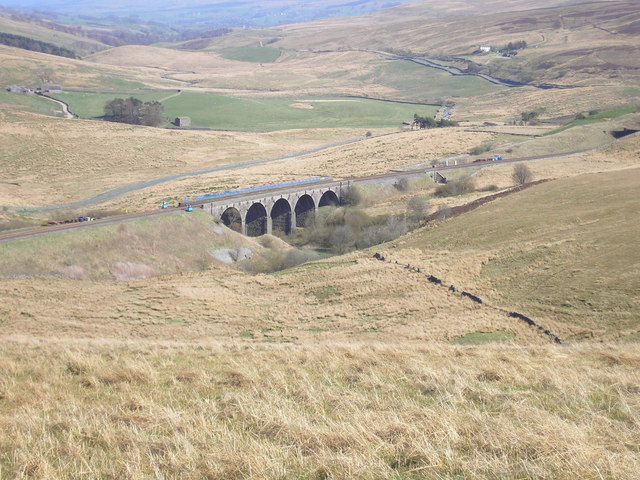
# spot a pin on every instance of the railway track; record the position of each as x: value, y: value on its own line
x: 381, y: 178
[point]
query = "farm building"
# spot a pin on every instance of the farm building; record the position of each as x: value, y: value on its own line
x: 18, y: 89
x: 182, y: 122
x: 50, y: 89
x: 485, y: 48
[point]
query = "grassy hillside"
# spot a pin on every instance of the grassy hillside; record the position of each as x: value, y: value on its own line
x: 54, y: 161
x: 309, y: 73
x: 568, y: 43
x: 251, y: 54
x: 133, y: 370
x: 33, y: 69
x: 30, y: 103
x: 82, y: 46
x: 563, y: 251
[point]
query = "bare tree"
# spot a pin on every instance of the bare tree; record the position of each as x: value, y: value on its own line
x: 521, y: 174
x: 351, y: 197
x: 342, y: 239
x: 402, y: 184
x: 417, y: 210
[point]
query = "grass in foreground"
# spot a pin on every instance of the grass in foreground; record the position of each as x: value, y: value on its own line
x: 70, y: 410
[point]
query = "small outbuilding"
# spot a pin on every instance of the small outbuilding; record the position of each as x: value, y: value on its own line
x: 19, y: 89
x: 51, y: 89
x: 182, y: 122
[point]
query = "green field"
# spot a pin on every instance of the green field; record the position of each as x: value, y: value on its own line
x: 417, y: 82
x: 251, y: 54
x: 598, y: 117
x: 91, y: 105
x: 30, y: 103
x: 220, y: 112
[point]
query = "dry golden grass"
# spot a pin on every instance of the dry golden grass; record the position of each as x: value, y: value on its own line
x: 295, y: 72
x: 57, y: 161
x: 123, y: 410
x: 373, y: 156
x: 342, y: 368
x: 508, y: 104
x: 23, y: 67
x: 563, y: 251
x: 316, y: 302
x: 567, y: 44
x: 404, y: 150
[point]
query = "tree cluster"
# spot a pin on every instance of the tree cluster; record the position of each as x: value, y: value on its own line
x: 35, y: 45
x: 428, y: 122
x: 519, y: 45
x: 529, y: 117
x: 133, y: 111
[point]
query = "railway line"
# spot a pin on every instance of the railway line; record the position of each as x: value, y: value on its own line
x: 243, y: 195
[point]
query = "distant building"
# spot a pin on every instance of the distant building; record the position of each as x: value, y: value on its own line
x: 485, y: 48
x: 19, y: 89
x: 51, y: 89
x: 182, y: 122
x: 415, y: 125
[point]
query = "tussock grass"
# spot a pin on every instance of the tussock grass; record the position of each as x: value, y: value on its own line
x: 340, y: 412
x: 564, y: 250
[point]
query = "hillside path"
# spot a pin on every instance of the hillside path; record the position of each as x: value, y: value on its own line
x: 173, y: 95
x: 65, y: 108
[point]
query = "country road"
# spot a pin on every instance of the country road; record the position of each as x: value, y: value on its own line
x: 134, y: 187
x: 375, y: 179
x: 65, y: 108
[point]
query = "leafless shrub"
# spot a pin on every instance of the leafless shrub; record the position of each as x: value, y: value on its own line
x: 128, y: 271
x: 444, y: 212
x: 521, y: 174
x: 278, y: 260
x: 14, y: 224
x: 402, y: 185
x: 73, y: 272
x: 352, y: 196
x: 480, y: 149
x: 417, y: 210
x: 342, y: 239
x: 455, y: 187
x: 377, y: 234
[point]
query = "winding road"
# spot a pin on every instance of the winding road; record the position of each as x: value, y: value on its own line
x: 116, y: 193
x: 65, y: 107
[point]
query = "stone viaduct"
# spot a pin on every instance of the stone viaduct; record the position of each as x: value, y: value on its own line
x: 274, y: 212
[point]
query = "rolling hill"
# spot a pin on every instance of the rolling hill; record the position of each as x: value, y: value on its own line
x: 82, y: 46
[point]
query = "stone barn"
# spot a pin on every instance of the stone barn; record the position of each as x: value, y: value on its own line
x: 182, y: 122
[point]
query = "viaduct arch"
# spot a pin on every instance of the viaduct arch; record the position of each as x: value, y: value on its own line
x: 278, y: 215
